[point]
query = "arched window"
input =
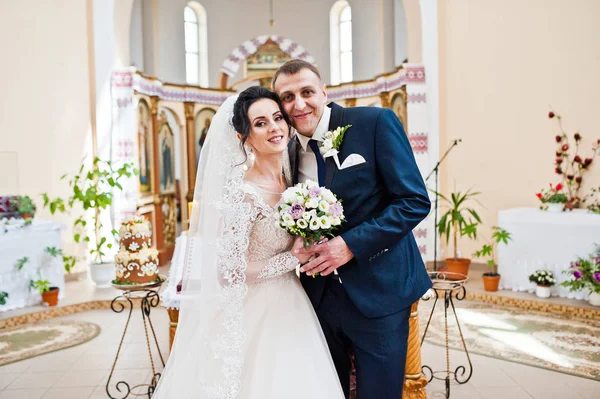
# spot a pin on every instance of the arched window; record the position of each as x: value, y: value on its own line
x: 340, y: 21
x: 196, y: 54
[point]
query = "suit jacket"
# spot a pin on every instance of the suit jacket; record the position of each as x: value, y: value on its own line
x: 384, y: 199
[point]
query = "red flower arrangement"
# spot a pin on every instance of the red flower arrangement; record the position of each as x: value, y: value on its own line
x: 553, y: 196
x: 569, y: 164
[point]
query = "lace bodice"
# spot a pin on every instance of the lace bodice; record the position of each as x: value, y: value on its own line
x: 268, y: 253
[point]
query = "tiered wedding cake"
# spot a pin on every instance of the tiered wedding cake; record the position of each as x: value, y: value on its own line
x: 136, y: 261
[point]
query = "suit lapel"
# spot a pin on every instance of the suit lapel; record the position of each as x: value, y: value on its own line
x: 335, y: 120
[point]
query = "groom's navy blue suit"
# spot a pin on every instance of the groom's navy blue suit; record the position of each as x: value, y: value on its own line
x: 384, y: 199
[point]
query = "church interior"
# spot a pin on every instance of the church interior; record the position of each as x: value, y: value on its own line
x: 113, y: 100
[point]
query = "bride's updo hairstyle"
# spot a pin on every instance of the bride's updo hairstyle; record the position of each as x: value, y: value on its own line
x: 240, y: 120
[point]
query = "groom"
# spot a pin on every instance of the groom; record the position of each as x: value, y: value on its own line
x: 364, y: 306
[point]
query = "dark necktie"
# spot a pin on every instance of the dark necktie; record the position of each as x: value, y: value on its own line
x: 314, y: 146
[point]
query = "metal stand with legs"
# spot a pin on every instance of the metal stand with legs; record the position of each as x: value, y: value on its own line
x: 149, y: 299
x: 448, y: 286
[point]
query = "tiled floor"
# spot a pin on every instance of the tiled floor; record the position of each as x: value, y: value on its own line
x: 82, y: 372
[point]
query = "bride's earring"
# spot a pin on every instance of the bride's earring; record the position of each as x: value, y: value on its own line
x: 249, y: 150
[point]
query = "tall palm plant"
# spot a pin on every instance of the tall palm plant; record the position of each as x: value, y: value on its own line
x: 459, y: 218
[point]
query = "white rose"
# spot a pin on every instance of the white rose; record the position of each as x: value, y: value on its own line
x: 302, y: 223
x: 300, y: 200
x: 328, y: 196
x: 311, y: 183
x: 325, y: 222
x: 289, y: 195
x: 312, y: 203
x: 324, y: 206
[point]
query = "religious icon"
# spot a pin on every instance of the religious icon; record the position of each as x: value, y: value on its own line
x: 201, y: 126
x: 166, y: 158
x: 264, y: 62
x: 144, y: 147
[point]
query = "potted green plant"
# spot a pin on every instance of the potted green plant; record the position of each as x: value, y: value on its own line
x: 491, y: 279
x: 91, y: 189
x: 544, y: 280
x: 69, y: 261
x: 3, y: 296
x: 553, y: 200
x: 585, y: 273
x: 25, y: 206
x: 49, y: 294
x: 461, y: 220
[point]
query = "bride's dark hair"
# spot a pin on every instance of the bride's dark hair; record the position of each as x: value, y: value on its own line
x: 241, y: 122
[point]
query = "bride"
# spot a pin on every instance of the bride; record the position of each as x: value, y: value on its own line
x: 247, y: 329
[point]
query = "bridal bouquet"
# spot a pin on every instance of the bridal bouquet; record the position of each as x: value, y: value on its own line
x: 309, y: 211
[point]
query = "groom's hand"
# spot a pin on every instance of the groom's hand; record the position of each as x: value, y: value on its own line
x: 330, y: 255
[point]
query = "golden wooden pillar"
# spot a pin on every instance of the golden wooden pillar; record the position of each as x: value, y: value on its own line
x: 173, y: 320
x: 156, y: 203
x: 191, y: 153
x: 385, y: 99
x: 350, y: 102
x: 414, y: 380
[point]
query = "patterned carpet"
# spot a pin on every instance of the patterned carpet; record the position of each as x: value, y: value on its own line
x: 547, y: 340
x: 29, y: 340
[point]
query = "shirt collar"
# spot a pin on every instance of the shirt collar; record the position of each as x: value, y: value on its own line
x: 320, y: 131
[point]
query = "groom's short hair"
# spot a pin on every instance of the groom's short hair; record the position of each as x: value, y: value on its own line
x: 292, y: 67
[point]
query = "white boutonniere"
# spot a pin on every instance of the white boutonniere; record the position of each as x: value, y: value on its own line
x: 332, y: 142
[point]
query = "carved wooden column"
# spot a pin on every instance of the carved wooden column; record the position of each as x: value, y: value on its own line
x: 414, y: 380
x: 350, y: 102
x: 385, y: 99
x: 157, y: 221
x: 191, y: 150
x: 173, y: 320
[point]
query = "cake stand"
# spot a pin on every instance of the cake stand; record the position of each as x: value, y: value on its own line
x: 449, y: 286
x: 147, y: 295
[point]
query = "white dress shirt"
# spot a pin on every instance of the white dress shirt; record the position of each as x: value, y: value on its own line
x: 307, y: 162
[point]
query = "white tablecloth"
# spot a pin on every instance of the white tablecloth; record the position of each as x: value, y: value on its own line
x: 170, y: 297
x: 544, y: 240
x: 18, y: 241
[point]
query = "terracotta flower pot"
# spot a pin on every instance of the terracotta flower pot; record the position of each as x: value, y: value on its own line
x: 458, y: 265
x: 491, y: 281
x: 51, y: 297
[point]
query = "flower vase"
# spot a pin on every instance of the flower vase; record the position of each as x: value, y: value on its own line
x: 556, y: 207
x: 594, y: 299
x: 542, y: 291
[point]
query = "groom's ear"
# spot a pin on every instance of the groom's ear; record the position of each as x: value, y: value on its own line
x: 325, y: 92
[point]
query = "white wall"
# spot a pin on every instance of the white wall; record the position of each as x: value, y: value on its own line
x: 400, y: 33
x: 502, y: 64
x: 45, y: 102
x: 230, y: 23
x: 136, y: 38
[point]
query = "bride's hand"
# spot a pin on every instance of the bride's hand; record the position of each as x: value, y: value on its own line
x: 299, y: 243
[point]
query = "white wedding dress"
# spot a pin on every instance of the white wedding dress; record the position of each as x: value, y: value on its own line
x: 285, y: 353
